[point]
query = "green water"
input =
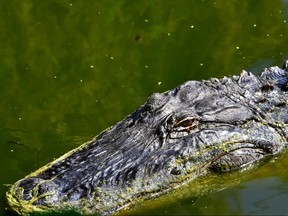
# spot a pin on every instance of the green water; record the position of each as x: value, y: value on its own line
x: 70, y: 69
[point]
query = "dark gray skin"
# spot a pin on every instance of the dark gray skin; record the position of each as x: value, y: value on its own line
x: 173, y: 138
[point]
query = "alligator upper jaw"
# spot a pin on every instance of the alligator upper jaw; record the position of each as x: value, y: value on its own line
x: 243, y: 154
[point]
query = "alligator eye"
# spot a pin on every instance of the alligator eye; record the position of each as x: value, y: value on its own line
x: 186, y: 124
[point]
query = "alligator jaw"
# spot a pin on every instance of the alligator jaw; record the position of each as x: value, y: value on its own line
x: 243, y: 154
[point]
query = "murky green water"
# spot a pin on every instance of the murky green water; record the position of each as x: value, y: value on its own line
x: 70, y: 69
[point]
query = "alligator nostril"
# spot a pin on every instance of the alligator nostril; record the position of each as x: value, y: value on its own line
x: 27, y: 186
x: 29, y: 183
x: 46, y: 188
x: 37, y: 188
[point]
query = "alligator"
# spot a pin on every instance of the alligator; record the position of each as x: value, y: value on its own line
x: 215, y: 125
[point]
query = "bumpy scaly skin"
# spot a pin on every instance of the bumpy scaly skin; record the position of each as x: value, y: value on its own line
x: 170, y: 140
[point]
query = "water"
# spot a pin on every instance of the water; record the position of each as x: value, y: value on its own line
x: 70, y: 69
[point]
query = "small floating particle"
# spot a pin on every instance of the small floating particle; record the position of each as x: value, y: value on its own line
x: 168, y: 34
x: 192, y: 26
x: 237, y: 47
x: 81, y: 80
x: 12, y: 150
x: 146, y: 20
x: 111, y: 57
x: 255, y: 25
x: 159, y: 83
x: 201, y: 64
x: 19, y: 118
x: 138, y: 38
x: 55, y: 77
x: 284, y: 21
x: 91, y: 66
x: 146, y: 66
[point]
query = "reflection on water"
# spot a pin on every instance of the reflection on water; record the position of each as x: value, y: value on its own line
x: 69, y: 69
x: 273, y: 197
x: 263, y: 191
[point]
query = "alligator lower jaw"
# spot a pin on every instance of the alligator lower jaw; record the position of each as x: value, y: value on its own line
x: 243, y: 155
x: 23, y: 207
x: 20, y: 206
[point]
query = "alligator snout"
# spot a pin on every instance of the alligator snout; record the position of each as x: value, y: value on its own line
x: 36, y: 191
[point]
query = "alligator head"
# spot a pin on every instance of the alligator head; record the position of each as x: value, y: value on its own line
x: 174, y: 137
